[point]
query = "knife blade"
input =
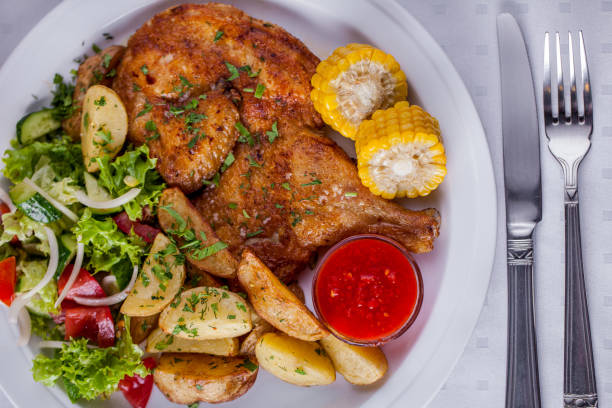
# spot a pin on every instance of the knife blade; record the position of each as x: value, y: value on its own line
x: 523, y: 192
x: 521, y: 142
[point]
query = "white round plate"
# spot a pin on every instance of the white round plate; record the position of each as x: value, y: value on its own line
x: 456, y: 274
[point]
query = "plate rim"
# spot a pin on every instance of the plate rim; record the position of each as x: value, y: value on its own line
x: 393, y: 11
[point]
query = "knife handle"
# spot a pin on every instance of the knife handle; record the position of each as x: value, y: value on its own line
x: 579, y: 388
x: 522, y: 382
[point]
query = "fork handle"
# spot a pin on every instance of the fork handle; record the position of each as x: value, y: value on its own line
x: 579, y: 371
x: 522, y: 383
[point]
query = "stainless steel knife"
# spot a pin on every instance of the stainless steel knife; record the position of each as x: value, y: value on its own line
x: 521, y: 144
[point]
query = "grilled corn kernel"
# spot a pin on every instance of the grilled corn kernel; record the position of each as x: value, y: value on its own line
x: 399, y: 152
x: 355, y: 81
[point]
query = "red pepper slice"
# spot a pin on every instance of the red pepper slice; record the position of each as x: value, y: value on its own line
x: 144, y: 231
x: 92, y: 322
x: 8, y: 280
x: 137, y: 390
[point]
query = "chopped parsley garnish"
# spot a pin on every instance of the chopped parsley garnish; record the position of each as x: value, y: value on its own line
x: 272, y: 134
x: 250, y: 90
x: 106, y: 60
x: 246, y: 215
x: 286, y: 186
x: 147, y: 108
x: 296, y: 218
x: 215, y: 308
x: 193, y: 104
x: 259, y: 91
x: 229, y: 160
x: 350, y: 194
x: 252, y: 234
x: 245, y: 135
x: 231, y: 317
x: 95, y: 48
x: 193, y: 141
x: 250, y: 73
x: 135, y: 87
x: 277, y: 205
x: 241, y: 306
x: 150, y: 126
x: 232, y: 70
x: 232, y: 206
x: 144, y: 69
x: 214, y: 181
x: 101, y: 101
x: 162, y: 345
x: 252, y: 162
x: 218, y: 35
x: 200, y: 254
x: 249, y: 365
x: 312, y: 183
x: 300, y: 371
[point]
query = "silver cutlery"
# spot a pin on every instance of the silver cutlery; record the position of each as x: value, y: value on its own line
x: 521, y: 151
x: 569, y: 124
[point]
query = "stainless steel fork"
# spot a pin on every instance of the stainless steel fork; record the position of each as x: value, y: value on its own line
x: 569, y: 124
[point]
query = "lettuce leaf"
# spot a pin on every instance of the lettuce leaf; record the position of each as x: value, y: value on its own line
x: 45, y: 328
x: 30, y: 233
x: 90, y: 373
x: 65, y: 158
x: 63, y: 190
x: 140, y: 170
x: 30, y: 272
x: 105, y: 245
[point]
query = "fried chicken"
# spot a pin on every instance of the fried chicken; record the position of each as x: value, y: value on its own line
x: 219, y: 57
x: 287, y: 198
x: 196, y: 78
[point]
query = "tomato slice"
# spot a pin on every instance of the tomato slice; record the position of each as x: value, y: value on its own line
x: 92, y: 322
x: 85, y: 285
x: 8, y: 280
x: 144, y: 231
x: 137, y: 390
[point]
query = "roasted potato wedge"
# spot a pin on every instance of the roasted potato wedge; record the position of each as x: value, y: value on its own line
x: 206, y: 313
x: 158, y: 283
x: 177, y: 214
x: 297, y: 291
x: 273, y: 301
x: 159, y: 341
x: 199, y: 277
x: 97, y: 69
x: 358, y: 365
x: 247, y: 347
x: 142, y: 326
x: 105, y: 125
x: 294, y: 361
x: 188, y: 378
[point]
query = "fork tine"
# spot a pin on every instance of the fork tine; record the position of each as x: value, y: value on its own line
x: 573, y: 101
x: 586, y: 83
x: 548, y: 113
x: 560, y: 88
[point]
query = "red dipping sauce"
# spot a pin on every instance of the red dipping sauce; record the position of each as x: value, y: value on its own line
x: 367, y: 289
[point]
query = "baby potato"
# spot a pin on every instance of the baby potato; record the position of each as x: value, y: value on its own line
x: 159, y: 341
x: 295, y: 361
x: 206, y: 313
x: 273, y: 301
x: 189, y: 378
x: 105, y: 125
x: 358, y: 365
x: 158, y: 283
x: 261, y: 327
x: 142, y: 326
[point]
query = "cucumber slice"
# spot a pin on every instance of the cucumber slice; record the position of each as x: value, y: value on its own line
x: 67, y: 249
x: 97, y: 193
x: 35, y: 125
x: 34, y: 205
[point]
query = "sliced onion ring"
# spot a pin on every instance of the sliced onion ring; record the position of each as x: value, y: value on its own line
x: 52, y: 200
x: 22, y: 299
x: 25, y: 327
x: 109, y: 284
x: 59, y: 344
x: 7, y: 200
x: 78, y: 262
x: 109, y: 300
x: 107, y: 205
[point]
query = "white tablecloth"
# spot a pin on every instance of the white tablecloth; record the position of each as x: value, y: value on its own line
x: 466, y: 30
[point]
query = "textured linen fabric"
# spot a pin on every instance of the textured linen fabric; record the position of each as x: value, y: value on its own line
x: 466, y: 30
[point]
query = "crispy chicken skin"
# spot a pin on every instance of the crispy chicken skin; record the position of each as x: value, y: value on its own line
x: 284, y: 199
x: 174, y: 58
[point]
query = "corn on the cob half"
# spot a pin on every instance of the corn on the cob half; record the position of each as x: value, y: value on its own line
x: 399, y: 152
x: 355, y: 81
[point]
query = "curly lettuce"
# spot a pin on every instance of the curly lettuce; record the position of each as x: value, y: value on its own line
x: 30, y: 272
x: 89, y: 373
x: 138, y: 169
x: 65, y: 158
x: 106, y: 246
x: 63, y: 190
